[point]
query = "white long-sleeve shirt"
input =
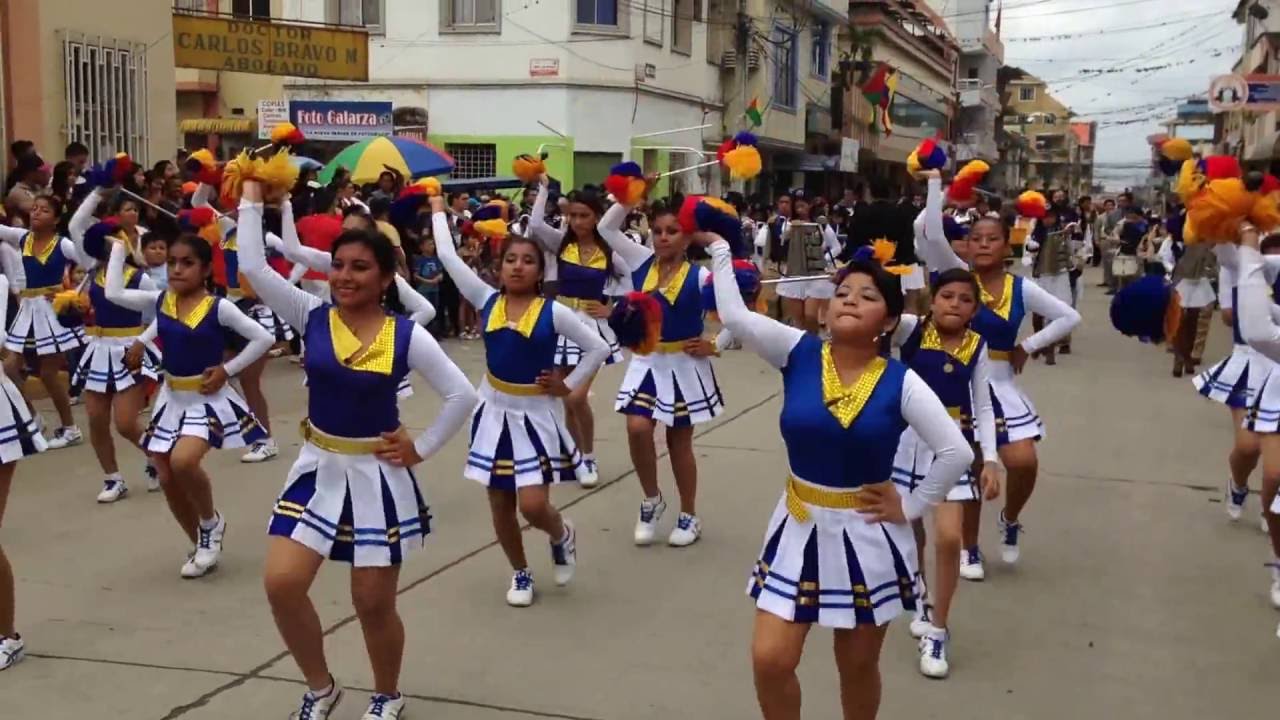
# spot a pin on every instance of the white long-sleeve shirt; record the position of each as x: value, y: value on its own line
x: 425, y: 356
x: 920, y: 407
x: 565, y: 321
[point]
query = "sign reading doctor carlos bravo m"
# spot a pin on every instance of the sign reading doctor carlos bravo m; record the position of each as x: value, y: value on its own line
x: 270, y: 48
x: 341, y: 120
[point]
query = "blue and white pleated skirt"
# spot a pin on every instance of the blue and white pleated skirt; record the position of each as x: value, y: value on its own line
x: 272, y: 323
x: 911, y: 464
x: 1229, y: 381
x: 223, y: 419
x: 520, y: 440
x: 351, y: 508
x: 1016, y: 417
x: 19, y: 434
x: 1263, y: 414
x: 835, y: 570
x: 36, y: 329
x: 568, y: 354
x: 102, y: 368
x: 675, y: 389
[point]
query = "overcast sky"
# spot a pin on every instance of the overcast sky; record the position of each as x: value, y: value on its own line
x: 1103, y: 41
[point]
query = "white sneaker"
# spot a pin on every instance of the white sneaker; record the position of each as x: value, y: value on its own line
x: 686, y: 532
x: 971, y: 565
x: 384, y: 707
x: 209, y: 544
x: 922, y: 621
x: 933, y: 653
x: 1236, y: 498
x: 261, y: 451
x: 647, y: 524
x: 12, y: 650
x: 521, y: 592
x: 319, y: 707
x: 153, y: 477
x: 1009, y: 551
x: 591, y: 473
x: 1275, y: 584
x: 191, y: 570
x: 564, y: 555
x: 113, y: 489
x: 1262, y: 524
x: 65, y: 437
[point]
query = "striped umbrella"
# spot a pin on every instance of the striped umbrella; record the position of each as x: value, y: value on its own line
x: 370, y: 157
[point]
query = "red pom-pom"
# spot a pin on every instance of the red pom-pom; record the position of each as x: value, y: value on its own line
x: 1217, y: 167
x: 725, y: 147
x: 1270, y: 184
x: 686, y: 217
x: 202, y: 216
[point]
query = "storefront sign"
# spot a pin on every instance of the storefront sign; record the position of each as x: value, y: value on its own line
x: 270, y: 48
x: 849, y: 155
x: 544, y: 67
x: 1255, y: 93
x: 338, y: 120
x: 270, y: 114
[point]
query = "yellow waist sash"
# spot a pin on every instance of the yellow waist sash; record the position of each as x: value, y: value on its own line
x: 511, y: 388
x: 190, y: 383
x: 122, y: 332
x: 335, y: 444
x: 583, y: 304
x: 47, y: 290
x: 801, y: 494
x: 1003, y: 355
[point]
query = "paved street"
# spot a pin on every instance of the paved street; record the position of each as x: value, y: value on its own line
x: 1135, y: 597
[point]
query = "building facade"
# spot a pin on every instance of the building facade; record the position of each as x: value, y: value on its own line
x: 1252, y: 136
x: 1086, y: 138
x: 72, y: 72
x: 1029, y: 110
x: 981, y: 57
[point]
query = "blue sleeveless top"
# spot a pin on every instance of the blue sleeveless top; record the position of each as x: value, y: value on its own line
x: 681, y: 299
x: 856, y: 448
x: 518, y: 354
x: 578, y: 281
x: 107, y: 314
x: 999, y: 319
x: 192, y: 344
x: 46, y: 269
x: 948, y: 374
x: 349, y: 393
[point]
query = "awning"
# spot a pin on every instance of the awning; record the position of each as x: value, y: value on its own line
x: 220, y: 126
x: 807, y: 162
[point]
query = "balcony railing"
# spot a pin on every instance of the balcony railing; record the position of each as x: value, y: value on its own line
x: 975, y: 93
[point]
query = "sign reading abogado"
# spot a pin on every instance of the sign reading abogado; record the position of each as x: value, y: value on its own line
x: 270, y: 48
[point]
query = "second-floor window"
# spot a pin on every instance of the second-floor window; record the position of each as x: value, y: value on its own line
x: 597, y: 13
x: 1026, y: 94
x: 785, y: 80
x: 477, y: 15
x: 821, y: 50
x: 256, y: 9
x: 684, y: 14
x: 358, y: 13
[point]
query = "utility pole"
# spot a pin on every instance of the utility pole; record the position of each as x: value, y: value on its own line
x: 742, y: 41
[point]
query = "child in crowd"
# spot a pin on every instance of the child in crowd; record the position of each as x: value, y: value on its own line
x: 155, y: 250
x: 428, y: 272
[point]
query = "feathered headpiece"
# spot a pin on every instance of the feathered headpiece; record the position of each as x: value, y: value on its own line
x: 747, y: 277
x: 276, y: 174
x: 882, y: 251
x: 740, y: 156
x: 1032, y: 204
x: 703, y: 213
x: 112, y: 172
x: 202, y: 166
x: 528, y: 168
x: 490, y: 221
x: 1147, y: 309
x: 286, y: 134
x: 626, y: 183
x: 928, y: 155
x: 1173, y: 152
x: 97, y: 239
x: 964, y: 186
x: 636, y: 320
x: 412, y: 198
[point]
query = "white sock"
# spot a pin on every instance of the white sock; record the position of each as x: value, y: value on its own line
x: 654, y: 500
x: 115, y: 476
x: 317, y: 694
x: 211, y: 523
x: 589, y: 457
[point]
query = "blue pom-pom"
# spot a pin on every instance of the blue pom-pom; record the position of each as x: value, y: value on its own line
x: 864, y: 254
x: 487, y: 212
x: 96, y: 244
x: 404, y: 209
x: 627, y: 169
x: 712, y: 219
x: 746, y: 138
x: 952, y: 229
x: 1139, y: 309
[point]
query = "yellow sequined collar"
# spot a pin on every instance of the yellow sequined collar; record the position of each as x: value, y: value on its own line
x: 347, y: 348
x: 931, y: 340
x: 499, y: 320
x: 101, y: 277
x: 29, y: 248
x: 672, y: 289
x: 1002, y: 305
x: 195, y: 317
x: 571, y: 253
x: 846, y: 402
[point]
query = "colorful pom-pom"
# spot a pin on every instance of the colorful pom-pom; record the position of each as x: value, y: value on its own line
x: 286, y: 133
x: 636, y: 320
x: 740, y: 156
x: 277, y: 174
x: 1220, y: 167
x: 626, y: 183
x: 701, y: 213
x: 1140, y: 309
x: 928, y: 155
x: 528, y: 168
x: 97, y: 237
x: 1032, y: 204
x: 964, y: 186
x: 1176, y: 149
x: 1218, y: 209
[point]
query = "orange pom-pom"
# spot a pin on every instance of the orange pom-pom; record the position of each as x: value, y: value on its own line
x: 528, y: 168
x: 1032, y: 204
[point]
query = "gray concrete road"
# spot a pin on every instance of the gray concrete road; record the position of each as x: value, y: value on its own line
x: 1135, y: 597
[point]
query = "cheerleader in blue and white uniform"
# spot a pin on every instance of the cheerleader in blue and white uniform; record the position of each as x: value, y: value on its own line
x: 196, y: 409
x: 36, y: 332
x: 952, y: 360
x: 1007, y: 300
x: 839, y: 551
x: 519, y: 442
x: 584, y: 266
x: 111, y: 390
x: 350, y: 496
x: 675, y: 384
x: 19, y: 437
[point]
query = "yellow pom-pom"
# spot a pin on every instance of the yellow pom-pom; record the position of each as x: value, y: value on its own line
x: 1218, y: 210
x: 1265, y: 214
x: 1176, y: 149
x: 743, y: 162
x: 431, y: 186
x: 528, y: 168
x: 1190, y: 180
x: 913, y: 163
x: 70, y: 300
x: 973, y: 168
x: 278, y: 173
x: 286, y: 133
x: 491, y: 228
x: 883, y: 250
